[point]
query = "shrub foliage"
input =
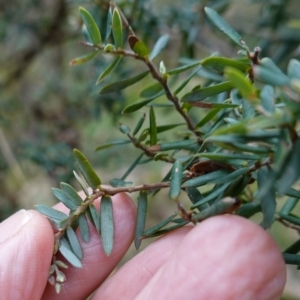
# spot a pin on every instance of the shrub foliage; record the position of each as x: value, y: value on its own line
x: 241, y: 156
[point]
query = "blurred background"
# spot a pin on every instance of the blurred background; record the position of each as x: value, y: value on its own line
x: 47, y: 108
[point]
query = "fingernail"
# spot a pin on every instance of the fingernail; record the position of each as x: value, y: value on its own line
x: 13, y: 224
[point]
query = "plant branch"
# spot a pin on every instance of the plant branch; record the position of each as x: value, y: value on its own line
x: 146, y: 151
x: 287, y: 224
x: 169, y: 94
x: 162, y: 80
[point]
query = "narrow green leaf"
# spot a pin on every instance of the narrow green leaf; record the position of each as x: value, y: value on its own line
x: 184, y: 144
x: 62, y: 197
x: 221, y: 207
x: 239, y: 81
x: 109, y: 69
x: 290, y: 171
x: 183, y: 68
x: 158, y: 226
x: 204, y: 93
x: 212, y: 105
x: 206, y: 178
x: 223, y: 26
x: 160, y: 44
x: 86, y: 169
x: 138, y: 47
x: 227, y: 156
x: 70, y: 256
x: 267, y: 96
x: 83, y: 59
x: 277, y: 119
x: 237, y: 186
x: 107, y: 224
x: 81, y: 183
x: 117, y: 29
x: 269, y: 64
x: 137, y: 105
x: 63, y: 223
x: 140, y: 218
x: 289, y: 205
x: 162, y: 105
x: 51, y: 213
x: 249, y: 209
x: 290, y: 192
x: 112, y: 144
x: 212, y: 195
x: 108, y: 24
x: 123, y: 84
x: 209, y: 116
x: 124, y: 128
x: 75, y: 245
x: 220, y: 63
x: 163, y: 128
x: 84, y: 228
x: 186, y: 81
x: 294, y: 248
x: 248, y: 110
x: 153, y: 130
x: 143, y: 136
x: 270, y: 77
x: 176, y: 178
x: 91, y: 26
x: 291, y: 259
x: 134, y: 164
x: 255, y: 136
x: 230, y: 177
x: 195, y: 196
x: 294, y: 69
x: 71, y: 193
x: 268, y: 201
x: 166, y: 230
x: 139, y: 124
x: 238, y: 127
x: 151, y: 90
x: 94, y: 217
x: 116, y: 182
x: 246, y: 148
x: 289, y: 218
x: 64, y: 242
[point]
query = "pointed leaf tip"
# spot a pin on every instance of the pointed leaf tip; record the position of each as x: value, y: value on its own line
x: 86, y: 169
x: 91, y: 26
x: 117, y: 29
x: 223, y: 26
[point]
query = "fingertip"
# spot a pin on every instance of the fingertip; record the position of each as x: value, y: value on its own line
x: 224, y: 257
x: 256, y: 260
x: 26, y: 251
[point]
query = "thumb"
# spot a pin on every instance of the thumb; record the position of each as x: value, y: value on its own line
x: 26, y: 243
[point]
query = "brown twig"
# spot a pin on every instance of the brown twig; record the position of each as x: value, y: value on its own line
x: 287, y: 224
x: 146, y: 151
x: 158, y: 77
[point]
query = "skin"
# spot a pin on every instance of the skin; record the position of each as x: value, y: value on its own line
x: 224, y: 257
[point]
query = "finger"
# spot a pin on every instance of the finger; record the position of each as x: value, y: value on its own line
x: 96, y: 266
x: 134, y: 275
x: 225, y: 257
x: 26, y: 247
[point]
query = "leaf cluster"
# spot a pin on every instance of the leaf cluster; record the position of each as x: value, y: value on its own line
x: 240, y: 157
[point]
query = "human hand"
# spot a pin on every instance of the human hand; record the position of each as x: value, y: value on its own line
x: 224, y: 257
